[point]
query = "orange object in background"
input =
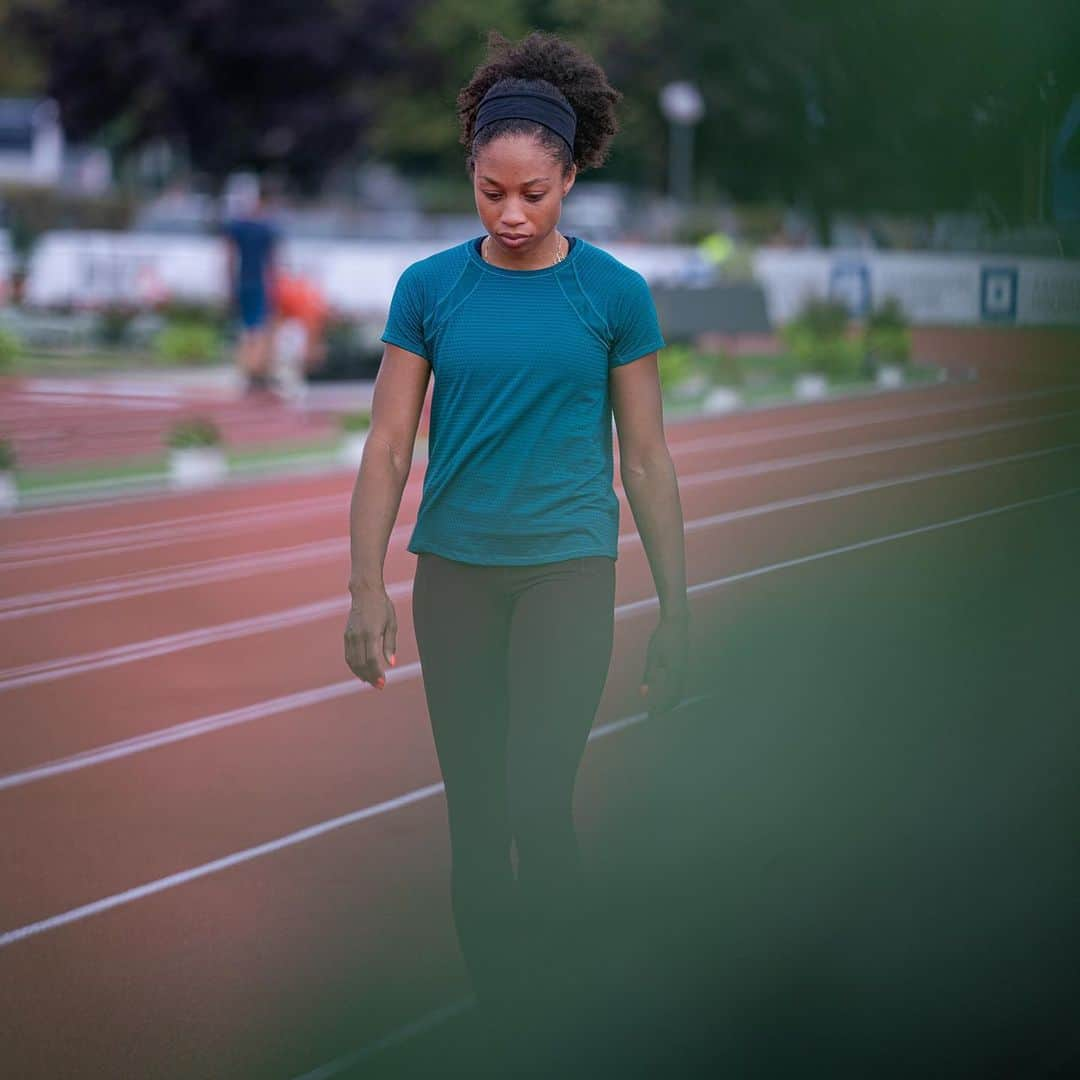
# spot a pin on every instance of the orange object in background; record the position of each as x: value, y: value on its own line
x: 295, y: 297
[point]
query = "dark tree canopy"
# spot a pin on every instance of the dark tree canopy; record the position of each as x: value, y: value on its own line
x: 239, y: 83
x: 838, y: 104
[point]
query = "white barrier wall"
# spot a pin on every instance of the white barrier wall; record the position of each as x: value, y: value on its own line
x: 956, y: 290
x: 358, y: 277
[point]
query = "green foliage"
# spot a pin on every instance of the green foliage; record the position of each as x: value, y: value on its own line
x: 188, y: 342
x: 355, y: 422
x: 9, y: 350
x: 7, y: 456
x: 194, y: 431
x: 186, y: 311
x: 889, y: 315
x: 720, y: 368
x: 887, y: 346
x: 113, y: 328
x: 676, y: 364
x: 32, y: 210
x: 804, y: 103
x: 887, y: 337
x: 817, y: 340
x: 824, y: 319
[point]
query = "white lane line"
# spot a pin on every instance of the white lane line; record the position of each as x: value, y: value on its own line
x: 89, y: 389
x: 427, y: 1022
x: 158, y: 533
x: 138, y: 744
x: 907, y: 442
x: 49, y: 670
x: 192, y: 527
x: 301, y: 836
x: 100, y: 405
x: 440, y: 1016
x: 861, y: 545
x: 142, y: 583
x: 163, y: 497
x: 185, y: 876
x: 215, y: 866
x: 274, y: 706
x: 286, y: 618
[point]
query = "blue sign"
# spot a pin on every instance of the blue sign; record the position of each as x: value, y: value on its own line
x: 849, y: 282
x: 997, y: 294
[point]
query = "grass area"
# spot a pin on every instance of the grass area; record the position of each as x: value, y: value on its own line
x: 759, y: 379
x: 42, y: 362
x: 39, y: 482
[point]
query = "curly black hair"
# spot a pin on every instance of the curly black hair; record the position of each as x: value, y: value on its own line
x: 544, y: 63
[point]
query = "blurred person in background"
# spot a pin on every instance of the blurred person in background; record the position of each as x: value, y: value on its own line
x: 533, y: 339
x: 252, y: 241
x: 299, y: 305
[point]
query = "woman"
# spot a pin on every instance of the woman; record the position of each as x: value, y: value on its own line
x: 533, y: 339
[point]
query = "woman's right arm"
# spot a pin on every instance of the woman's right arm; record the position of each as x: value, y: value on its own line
x: 371, y: 632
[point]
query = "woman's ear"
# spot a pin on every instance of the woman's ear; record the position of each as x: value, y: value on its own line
x: 568, y: 180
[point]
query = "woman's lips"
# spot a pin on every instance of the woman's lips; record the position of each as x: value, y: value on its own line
x: 513, y: 239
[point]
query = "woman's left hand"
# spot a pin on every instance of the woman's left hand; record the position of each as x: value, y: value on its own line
x: 665, y: 665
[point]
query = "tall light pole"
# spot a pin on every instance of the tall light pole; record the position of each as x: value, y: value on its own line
x: 683, y: 107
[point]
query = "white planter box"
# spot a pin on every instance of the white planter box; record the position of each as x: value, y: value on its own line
x: 197, y: 466
x: 889, y: 376
x: 352, y: 447
x: 9, y: 493
x: 811, y: 387
x: 721, y: 399
x: 691, y: 387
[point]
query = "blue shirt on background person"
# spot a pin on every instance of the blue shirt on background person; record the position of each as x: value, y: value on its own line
x: 253, y: 240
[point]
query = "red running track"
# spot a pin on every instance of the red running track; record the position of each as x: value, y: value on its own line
x: 177, y: 713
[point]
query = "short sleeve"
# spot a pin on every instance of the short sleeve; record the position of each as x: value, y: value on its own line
x: 635, y: 329
x: 405, y: 323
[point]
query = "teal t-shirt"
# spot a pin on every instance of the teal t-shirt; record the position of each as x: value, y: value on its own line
x: 519, y: 450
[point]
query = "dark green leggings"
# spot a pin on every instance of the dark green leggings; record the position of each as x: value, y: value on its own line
x: 514, y: 661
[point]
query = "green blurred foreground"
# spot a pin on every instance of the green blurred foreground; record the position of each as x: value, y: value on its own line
x: 859, y: 857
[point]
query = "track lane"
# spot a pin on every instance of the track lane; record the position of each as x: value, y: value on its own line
x: 144, y: 512
x: 97, y: 706
x: 292, y: 951
x: 309, y: 740
x: 90, y: 632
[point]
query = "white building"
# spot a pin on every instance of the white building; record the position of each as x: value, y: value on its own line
x: 31, y: 141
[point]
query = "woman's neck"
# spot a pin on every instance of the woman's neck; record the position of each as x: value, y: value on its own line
x: 553, y: 251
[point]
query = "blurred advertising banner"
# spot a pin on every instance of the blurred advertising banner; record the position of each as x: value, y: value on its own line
x: 933, y: 289
x: 357, y: 278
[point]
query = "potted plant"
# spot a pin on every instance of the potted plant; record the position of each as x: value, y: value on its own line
x: 725, y: 378
x: 354, y: 430
x: 196, y: 457
x: 817, y: 341
x: 887, y: 344
x: 9, y: 493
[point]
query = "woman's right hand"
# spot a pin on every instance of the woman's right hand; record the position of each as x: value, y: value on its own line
x: 371, y: 636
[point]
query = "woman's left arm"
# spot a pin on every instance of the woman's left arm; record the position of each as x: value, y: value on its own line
x: 652, y: 490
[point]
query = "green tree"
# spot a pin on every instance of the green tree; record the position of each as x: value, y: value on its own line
x: 22, y: 73
x: 238, y: 83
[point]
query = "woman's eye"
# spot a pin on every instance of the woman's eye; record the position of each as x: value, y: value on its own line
x: 491, y: 195
x: 534, y: 198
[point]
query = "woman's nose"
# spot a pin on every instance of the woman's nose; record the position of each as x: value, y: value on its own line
x: 513, y: 213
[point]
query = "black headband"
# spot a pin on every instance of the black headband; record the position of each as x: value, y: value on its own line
x: 526, y: 105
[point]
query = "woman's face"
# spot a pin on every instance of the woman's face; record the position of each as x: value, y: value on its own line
x: 519, y: 189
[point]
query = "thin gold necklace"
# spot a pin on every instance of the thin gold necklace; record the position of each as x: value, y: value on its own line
x: 559, y: 253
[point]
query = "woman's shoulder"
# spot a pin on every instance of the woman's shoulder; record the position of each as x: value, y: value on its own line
x: 607, y: 274
x: 438, y: 266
